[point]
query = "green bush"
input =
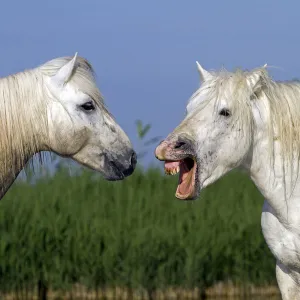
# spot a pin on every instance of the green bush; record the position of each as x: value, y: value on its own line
x: 133, y: 233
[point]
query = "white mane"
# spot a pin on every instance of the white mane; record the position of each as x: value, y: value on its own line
x: 23, y: 109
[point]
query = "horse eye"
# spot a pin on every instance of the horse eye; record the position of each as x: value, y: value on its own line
x: 88, y: 106
x: 225, y: 112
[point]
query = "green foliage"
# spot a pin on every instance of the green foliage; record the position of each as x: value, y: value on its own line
x: 142, y: 131
x: 131, y: 233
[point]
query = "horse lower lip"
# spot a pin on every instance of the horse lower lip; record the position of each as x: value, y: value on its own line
x: 115, y: 167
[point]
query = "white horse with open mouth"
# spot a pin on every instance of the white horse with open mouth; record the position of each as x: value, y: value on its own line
x: 245, y: 119
x: 58, y: 107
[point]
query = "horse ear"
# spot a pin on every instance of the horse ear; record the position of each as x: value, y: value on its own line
x: 204, y: 75
x: 64, y: 74
x: 255, y: 79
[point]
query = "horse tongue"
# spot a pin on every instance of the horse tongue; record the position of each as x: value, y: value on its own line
x: 172, y: 164
x: 185, y: 183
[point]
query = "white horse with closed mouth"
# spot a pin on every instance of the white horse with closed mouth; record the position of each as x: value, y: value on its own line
x: 58, y: 107
x: 245, y: 119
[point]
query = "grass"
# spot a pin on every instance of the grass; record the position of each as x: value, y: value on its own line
x: 131, y: 234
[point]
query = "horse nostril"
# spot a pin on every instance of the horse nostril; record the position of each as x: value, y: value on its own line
x: 133, y: 159
x: 179, y: 144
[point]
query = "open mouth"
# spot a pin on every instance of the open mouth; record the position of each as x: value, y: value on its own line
x: 187, y: 169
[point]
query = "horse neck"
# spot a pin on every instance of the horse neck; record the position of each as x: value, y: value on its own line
x: 272, y: 177
x: 22, y: 123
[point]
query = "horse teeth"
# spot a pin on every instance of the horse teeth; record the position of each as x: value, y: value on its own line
x: 168, y: 171
x: 172, y: 171
x: 175, y: 170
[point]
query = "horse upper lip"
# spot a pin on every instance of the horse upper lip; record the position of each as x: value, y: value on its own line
x: 175, y: 148
x: 180, y: 155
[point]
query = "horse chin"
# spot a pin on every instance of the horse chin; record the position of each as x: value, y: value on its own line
x: 108, y: 170
x: 109, y: 173
x: 188, y: 187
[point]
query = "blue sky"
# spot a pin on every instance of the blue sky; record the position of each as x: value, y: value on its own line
x: 144, y: 52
